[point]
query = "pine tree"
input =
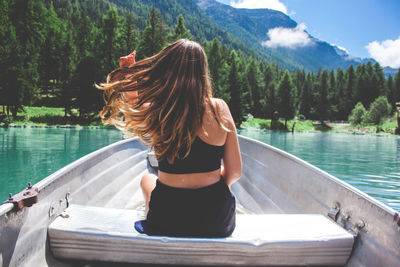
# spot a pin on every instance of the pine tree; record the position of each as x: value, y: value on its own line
x: 340, y: 89
x: 50, y: 60
x: 306, y: 97
x: 10, y: 93
x: 391, y: 92
x: 84, y: 36
x: 362, y: 83
x: 216, y: 66
x: 28, y: 18
x: 368, y: 85
x: 153, y: 37
x: 299, y: 80
x: 322, y: 106
x: 180, y: 30
x: 234, y: 83
x: 269, y: 91
x: 109, y: 49
x: 397, y: 87
x: 129, y: 37
x: 254, y: 88
x: 245, y: 97
x: 67, y: 67
x: 348, y: 100
x: 332, y: 95
x: 381, y: 88
x: 285, y: 99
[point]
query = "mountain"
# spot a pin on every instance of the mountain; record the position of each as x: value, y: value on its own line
x: 252, y: 25
x: 390, y: 71
x: 200, y: 25
x: 245, y: 30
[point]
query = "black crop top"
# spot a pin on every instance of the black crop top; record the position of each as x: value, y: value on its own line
x: 203, y: 157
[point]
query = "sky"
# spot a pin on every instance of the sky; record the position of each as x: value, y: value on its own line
x: 363, y: 28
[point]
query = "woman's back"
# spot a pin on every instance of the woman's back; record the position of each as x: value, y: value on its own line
x: 210, y: 140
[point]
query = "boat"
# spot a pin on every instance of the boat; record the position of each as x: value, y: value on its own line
x: 289, y: 213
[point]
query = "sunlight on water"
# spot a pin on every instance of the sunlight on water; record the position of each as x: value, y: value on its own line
x: 369, y: 163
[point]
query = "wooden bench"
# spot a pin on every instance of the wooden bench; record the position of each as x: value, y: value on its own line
x: 104, y: 234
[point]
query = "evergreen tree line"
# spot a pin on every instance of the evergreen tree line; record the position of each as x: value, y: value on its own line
x: 52, y: 52
x: 262, y: 89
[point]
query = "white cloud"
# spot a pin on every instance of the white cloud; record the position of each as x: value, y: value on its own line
x: 271, y: 4
x: 387, y: 52
x: 288, y: 37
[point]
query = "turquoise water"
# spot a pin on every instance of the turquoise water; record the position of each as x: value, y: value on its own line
x: 370, y: 163
x: 31, y: 154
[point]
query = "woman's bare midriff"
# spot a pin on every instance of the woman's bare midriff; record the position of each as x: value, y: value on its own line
x: 189, y: 180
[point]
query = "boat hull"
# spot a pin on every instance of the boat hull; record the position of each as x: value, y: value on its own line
x: 273, y: 182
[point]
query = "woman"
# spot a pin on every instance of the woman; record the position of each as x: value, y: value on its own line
x: 167, y: 101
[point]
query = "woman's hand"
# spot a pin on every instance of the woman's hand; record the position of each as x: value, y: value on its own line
x: 128, y: 60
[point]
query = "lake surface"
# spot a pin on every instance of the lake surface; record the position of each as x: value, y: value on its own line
x: 370, y: 163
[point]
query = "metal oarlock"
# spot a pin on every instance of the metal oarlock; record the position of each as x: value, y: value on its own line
x: 25, y: 198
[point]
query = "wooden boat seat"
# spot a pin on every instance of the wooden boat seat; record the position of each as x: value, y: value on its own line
x: 104, y: 234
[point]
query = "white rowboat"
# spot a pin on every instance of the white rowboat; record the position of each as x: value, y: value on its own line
x: 289, y: 213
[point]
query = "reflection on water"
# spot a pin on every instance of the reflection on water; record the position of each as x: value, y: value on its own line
x: 369, y: 163
x: 31, y: 154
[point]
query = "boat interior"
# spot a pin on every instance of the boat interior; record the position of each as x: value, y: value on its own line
x: 288, y: 213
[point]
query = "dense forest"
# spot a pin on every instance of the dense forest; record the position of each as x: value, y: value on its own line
x: 52, y: 52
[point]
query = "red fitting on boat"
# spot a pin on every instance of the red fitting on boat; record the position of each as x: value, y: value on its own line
x: 25, y: 198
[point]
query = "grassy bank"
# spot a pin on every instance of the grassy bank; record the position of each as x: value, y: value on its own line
x: 315, y: 126
x: 46, y: 116
x: 53, y: 116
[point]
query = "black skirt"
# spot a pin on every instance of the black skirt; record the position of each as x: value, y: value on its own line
x: 203, y: 212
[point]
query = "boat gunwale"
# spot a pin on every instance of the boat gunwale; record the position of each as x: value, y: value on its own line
x: 314, y: 168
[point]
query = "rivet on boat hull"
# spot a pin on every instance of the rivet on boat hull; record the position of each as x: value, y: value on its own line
x: 360, y: 224
x: 397, y: 218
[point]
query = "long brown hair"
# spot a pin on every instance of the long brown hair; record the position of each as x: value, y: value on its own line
x: 173, y: 88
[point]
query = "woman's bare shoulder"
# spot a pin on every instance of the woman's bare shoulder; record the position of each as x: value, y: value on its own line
x: 223, y: 109
x: 220, y: 105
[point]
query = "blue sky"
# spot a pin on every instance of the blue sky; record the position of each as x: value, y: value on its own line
x: 365, y: 28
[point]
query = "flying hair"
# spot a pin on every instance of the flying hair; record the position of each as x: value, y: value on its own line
x: 162, y: 99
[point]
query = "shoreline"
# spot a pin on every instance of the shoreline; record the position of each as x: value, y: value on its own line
x: 54, y: 117
x: 46, y: 126
x: 387, y: 129
x: 334, y: 130
x: 380, y: 134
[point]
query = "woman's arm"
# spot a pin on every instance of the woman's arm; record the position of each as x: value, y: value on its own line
x: 231, y: 170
